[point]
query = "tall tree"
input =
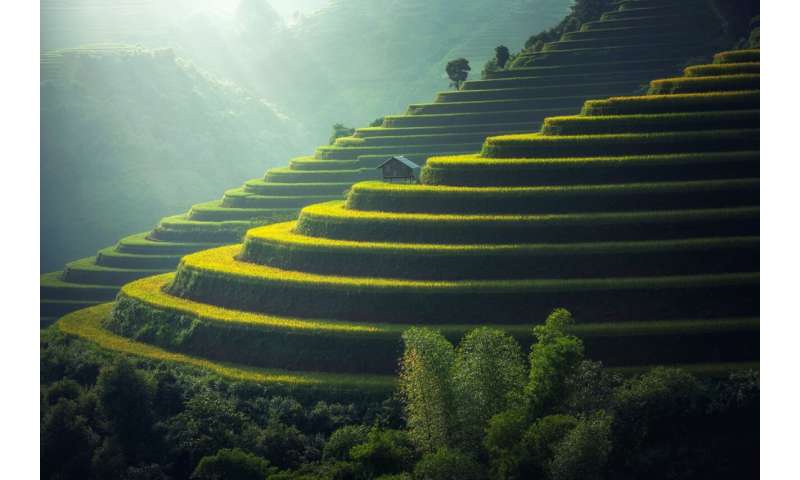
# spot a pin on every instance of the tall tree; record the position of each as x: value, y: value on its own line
x: 426, y: 388
x: 488, y: 376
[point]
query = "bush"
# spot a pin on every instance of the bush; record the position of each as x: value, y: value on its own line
x: 385, y: 452
x: 232, y: 464
x: 584, y: 450
x: 343, y: 440
x: 339, y: 130
x: 447, y: 464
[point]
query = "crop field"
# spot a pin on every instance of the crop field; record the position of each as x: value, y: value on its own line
x: 548, y: 184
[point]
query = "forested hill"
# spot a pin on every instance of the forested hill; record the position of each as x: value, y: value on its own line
x: 351, y: 61
x: 129, y: 133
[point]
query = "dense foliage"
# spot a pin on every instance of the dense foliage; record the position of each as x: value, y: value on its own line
x: 478, y: 411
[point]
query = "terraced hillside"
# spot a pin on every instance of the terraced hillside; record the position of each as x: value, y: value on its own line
x: 640, y: 215
x: 456, y: 122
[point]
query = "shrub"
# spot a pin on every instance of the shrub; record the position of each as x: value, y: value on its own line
x: 501, y: 56
x: 339, y: 130
x: 447, y: 464
x: 343, y: 440
x: 542, y: 438
x: 385, y: 452
x: 232, y: 464
x: 584, y: 450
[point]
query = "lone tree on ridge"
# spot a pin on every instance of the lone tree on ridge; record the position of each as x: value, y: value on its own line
x: 457, y: 70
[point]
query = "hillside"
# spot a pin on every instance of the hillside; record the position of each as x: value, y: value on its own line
x: 128, y: 132
x: 640, y: 215
x: 509, y: 101
x: 351, y: 61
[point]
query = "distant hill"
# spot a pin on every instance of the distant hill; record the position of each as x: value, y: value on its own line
x: 129, y: 133
x: 351, y: 61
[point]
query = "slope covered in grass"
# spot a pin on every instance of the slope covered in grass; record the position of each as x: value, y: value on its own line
x: 656, y: 269
x: 515, y: 100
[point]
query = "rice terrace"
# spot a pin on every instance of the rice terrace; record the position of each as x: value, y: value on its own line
x: 530, y: 249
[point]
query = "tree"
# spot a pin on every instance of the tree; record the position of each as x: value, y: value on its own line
x: 457, y: 70
x: 487, y: 376
x: 341, y: 441
x: 554, y: 358
x: 447, y: 464
x: 339, y: 130
x: 66, y: 442
x: 583, y: 452
x: 126, y: 397
x: 232, y: 464
x: 426, y: 388
x: 384, y: 452
x: 501, y: 56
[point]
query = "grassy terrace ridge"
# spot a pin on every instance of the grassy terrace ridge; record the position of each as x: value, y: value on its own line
x: 647, y: 123
x: 715, y: 83
x: 722, y: 69
x: 674, y: 103
x: 539, y: 81
x: 541, y: 145
x: 369, y: 132
x: 262, y: 187
x: 111, y: 257
x: 380, y: 196
x: 85, y: 270
x: 474, y: 170
x: 216, y: 277
x: 513, y: 115
x: 145, y: 312
x: 52, y: 286
x: 332, y: 220
x: 222, y: 261
x: 88, y: 326
x: 738, y: 56
x: 141, y: 244
x: 550, y: 90
x: 278, y: 246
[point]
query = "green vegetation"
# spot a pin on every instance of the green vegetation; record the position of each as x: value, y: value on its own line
x: 457, y: 71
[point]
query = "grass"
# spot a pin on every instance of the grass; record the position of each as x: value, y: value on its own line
x: 215, y: 277
x: 582, y: 56
x: 333, y: 221
x: 676, y: 103
x: 371, y: 132
x: 722, y: 69
x: 218, y: 211
x: 140, y: 243
x: 380, y: 196
x: 86, y: 270
x: 474, y: 138
x: 536, y: 145
x: 111, y: 257
x: 288, y: 175
x: 540, y: 103
x: 717, y: 83
x: 261, y: 187
x: 473, y: 118
x: 52, y: 287
x: 466, y: 170
x: 179, y: 228
x: 542, y: 81
x: 311, y: 163
x: 145, y: 313
x: 240, y: 199
x: 278, y: 246
x: 543, y: 91
x: 644, y: 123
x: 87, y: 325
x: 738, y: 56
x: 523, y: 66
x: 337, y: 153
